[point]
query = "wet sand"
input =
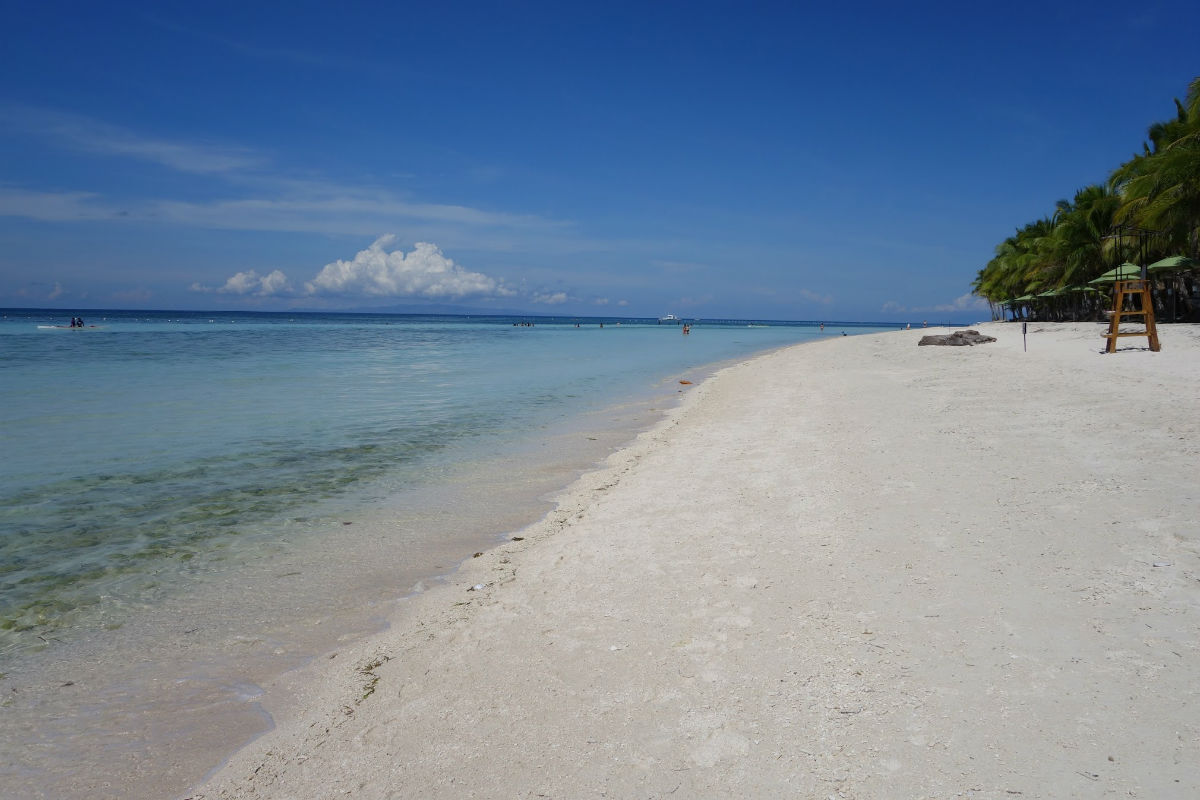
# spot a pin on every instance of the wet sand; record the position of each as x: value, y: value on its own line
x: 854, y: 568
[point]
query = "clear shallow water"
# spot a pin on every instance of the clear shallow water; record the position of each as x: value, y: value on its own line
x: 170, y: 465
x: 154, y: 436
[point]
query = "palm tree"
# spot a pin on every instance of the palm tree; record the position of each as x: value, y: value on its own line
x: 1157, y: 190
x: 1079, y: 235
x: 1160, y: 188
x: 1020, y: 264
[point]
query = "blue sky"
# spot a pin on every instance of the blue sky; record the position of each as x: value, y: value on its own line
x: 850, y: 161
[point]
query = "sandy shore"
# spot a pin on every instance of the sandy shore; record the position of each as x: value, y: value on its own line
x: 856, y: 568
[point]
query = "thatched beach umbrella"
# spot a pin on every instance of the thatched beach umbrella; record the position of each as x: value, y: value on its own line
x: 1125, y: 272
x: 1174, y: 266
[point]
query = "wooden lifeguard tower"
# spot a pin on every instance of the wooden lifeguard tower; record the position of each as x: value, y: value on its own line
x: 1138, y: 287
x: 1141, y: 290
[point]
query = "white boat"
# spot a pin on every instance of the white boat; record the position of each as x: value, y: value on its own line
x: 669, y: 318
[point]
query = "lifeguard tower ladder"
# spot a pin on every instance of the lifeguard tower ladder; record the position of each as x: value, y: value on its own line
x: 1140, y: 289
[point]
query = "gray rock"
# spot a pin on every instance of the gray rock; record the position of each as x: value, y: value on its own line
x: 957, y: 339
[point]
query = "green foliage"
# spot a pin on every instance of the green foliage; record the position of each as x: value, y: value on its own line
x: 1157, y: 190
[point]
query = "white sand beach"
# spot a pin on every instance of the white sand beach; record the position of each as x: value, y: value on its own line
x: 854, y: 569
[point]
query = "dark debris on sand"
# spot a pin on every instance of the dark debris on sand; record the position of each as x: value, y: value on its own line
x: 957, y: 339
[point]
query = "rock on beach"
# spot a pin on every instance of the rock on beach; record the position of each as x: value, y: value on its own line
x: 957, y: 339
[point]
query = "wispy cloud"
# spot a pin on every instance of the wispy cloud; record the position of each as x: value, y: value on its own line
x: 307, y: 205
x: 254, y: 194
x: 259, y: 196
x: 42, y: 291
x: 84, y: 134
x: 966, y: 302
x: 54, y: 206
x: 823, y: 299
x: 696, y: 300
x: 678, y: 266
x: 263, y: 52
x: 320, y: 208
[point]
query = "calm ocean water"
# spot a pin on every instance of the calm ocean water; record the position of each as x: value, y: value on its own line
x: 160, y: 457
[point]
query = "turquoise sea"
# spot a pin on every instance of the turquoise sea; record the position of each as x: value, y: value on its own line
x: 264, y: 483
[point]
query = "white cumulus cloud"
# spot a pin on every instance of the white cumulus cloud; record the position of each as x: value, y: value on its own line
x: 379, y: 271
x: 550, y: 298
x: 250, y: 282
x: 275, y: 283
